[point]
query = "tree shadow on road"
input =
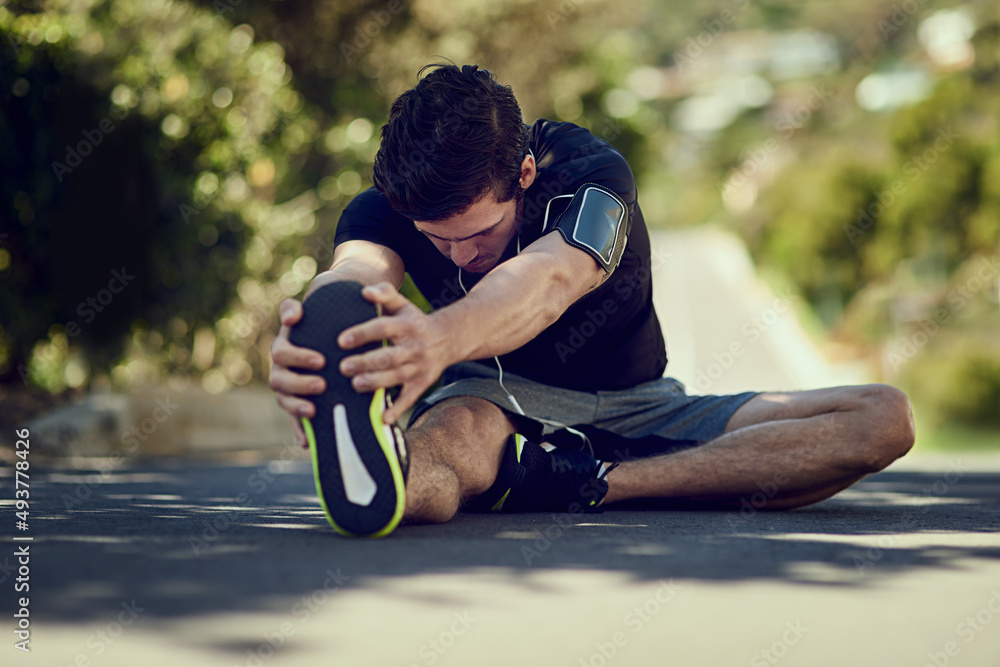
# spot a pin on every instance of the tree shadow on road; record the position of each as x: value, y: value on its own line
x: 186, y: 540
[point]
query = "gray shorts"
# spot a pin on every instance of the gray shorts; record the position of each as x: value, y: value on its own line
x: 652, y: 418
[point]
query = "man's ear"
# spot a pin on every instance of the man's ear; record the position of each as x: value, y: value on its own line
x: 528, y: 171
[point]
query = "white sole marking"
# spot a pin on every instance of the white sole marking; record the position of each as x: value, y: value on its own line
x: 358, y: 483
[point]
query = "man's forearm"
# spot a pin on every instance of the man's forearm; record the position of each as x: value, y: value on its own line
x: 518, y: 299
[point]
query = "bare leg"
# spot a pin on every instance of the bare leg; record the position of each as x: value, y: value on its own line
x: 455, y: 452
x: 794, y: 448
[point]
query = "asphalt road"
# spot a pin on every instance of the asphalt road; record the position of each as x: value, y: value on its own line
x: 185, y: 563
x: 192, y: 563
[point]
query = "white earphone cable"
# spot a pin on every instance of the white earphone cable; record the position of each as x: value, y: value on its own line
x: 510, y: 396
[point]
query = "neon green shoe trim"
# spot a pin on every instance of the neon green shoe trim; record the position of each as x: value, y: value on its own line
x: 496, y: 508
x: 311, y: 437
x: 518, y: 448
x: 519, y: 445
x: 375, y: 412
x: 385, y: 440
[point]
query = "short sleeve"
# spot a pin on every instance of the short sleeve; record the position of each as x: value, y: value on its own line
x: 369, y: 217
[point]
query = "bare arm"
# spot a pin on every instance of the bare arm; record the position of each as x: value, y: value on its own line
x: 361, y: 261
x: 511, y: 305
x: 519, y: 299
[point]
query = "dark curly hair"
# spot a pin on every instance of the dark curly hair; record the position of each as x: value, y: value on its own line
x: 451, y: 139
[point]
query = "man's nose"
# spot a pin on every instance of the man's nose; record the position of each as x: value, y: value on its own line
x: 463, y: 252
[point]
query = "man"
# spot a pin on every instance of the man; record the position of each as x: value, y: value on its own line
x: 531, y: 247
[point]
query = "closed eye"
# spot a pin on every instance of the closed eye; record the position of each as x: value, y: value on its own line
x: 486, y: 232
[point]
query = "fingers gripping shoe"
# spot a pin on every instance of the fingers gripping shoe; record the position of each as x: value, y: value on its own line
x: 359, y: 462
x: 532, y: 479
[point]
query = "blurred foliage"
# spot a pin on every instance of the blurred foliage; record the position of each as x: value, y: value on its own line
x: 146, y: 140
x: 221, y: 179
x: 946, y: 354
x: 880, y: 218
x: 243, y: 127
x: 957, y: 380
x: 840, y: 218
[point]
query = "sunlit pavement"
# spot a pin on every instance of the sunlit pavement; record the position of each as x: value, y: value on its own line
x: 206, y: 564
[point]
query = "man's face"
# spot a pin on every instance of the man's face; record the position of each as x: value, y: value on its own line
x: 476, y: 239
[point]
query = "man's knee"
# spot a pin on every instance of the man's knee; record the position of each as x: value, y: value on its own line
x: 466, y: 433
x: 449, y: 416
x: 461, y: 418
x: 887, y: 430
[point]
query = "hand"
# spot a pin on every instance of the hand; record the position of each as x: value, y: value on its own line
x: 285, y: 382
x: 418, y: 354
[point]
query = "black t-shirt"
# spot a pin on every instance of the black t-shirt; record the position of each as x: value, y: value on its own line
x: 608, y: 339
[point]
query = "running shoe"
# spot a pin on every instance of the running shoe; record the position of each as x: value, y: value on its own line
x: 359, y: 462
x: 533, y: 479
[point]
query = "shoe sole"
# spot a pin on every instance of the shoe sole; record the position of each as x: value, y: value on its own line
x: 359, y: 480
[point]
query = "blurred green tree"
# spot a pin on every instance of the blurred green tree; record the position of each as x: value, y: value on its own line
x: 220, y: 184
x: 893, y: 221
x: 143, y: 145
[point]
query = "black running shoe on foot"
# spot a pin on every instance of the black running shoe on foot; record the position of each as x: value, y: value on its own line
x: 532, y: 479
x: 359, y: 462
